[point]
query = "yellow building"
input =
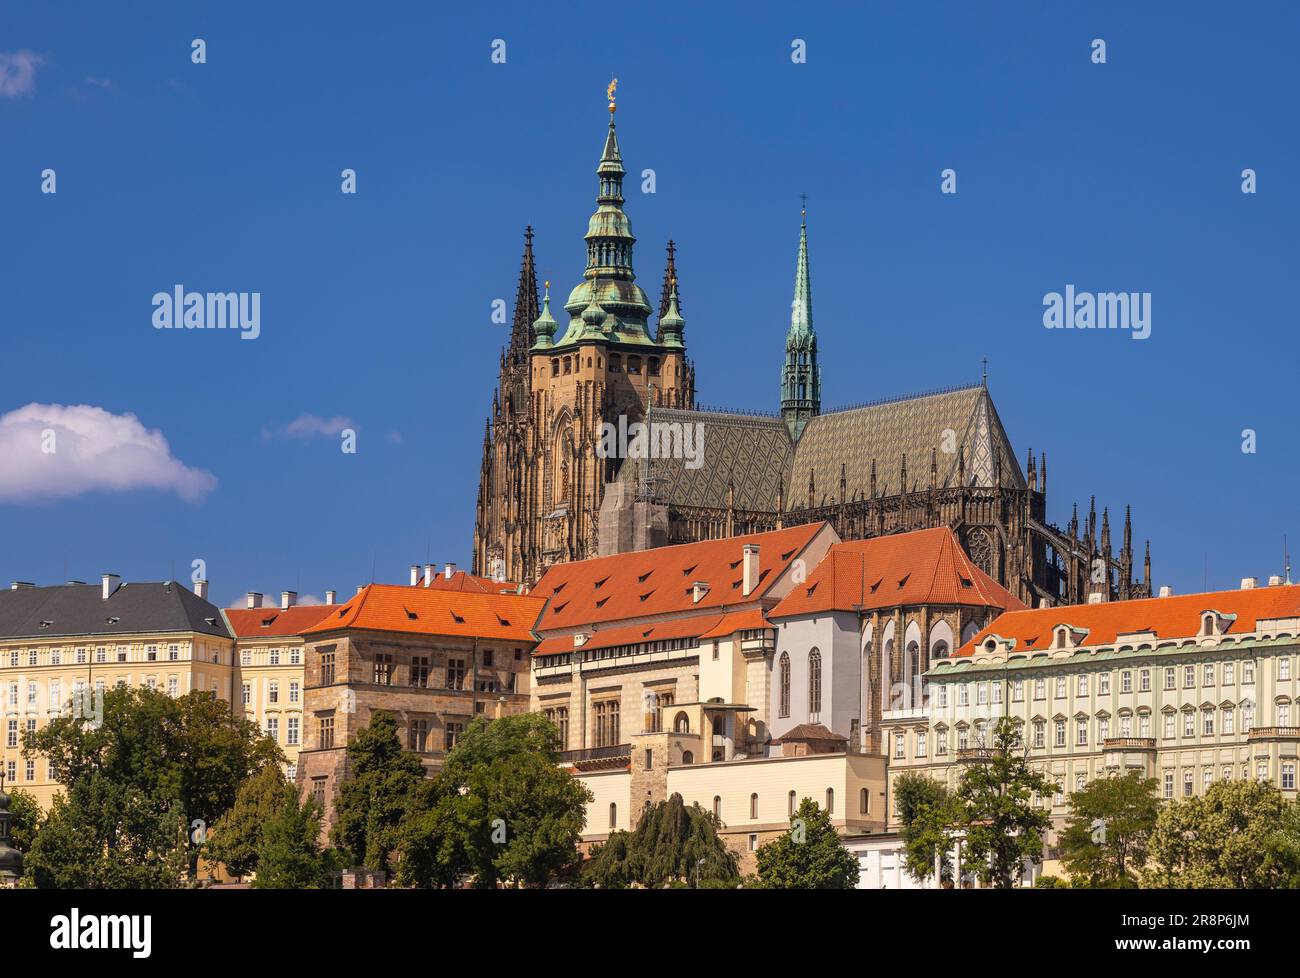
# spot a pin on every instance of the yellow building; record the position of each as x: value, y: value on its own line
x: 269, y: 652
x: 58, y: 643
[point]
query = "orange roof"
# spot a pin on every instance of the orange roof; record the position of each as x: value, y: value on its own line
x: 429, y: 611
x: 1173, y: 617
x: 738, y: 621
x: 921, y: 567
x: 275, y: 621
x: 659, y: 581
x: 465, y: 581
x: 633, y: 634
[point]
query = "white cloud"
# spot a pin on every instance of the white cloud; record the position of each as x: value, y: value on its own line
x: 309, y: 426
x: 18, y: 73
x: 271, y: 599
x: 57, y: 450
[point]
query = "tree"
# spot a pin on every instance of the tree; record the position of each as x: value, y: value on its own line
x: 929, y: 815
x: 672, y: 844
x: 288, y: 855
x: 1106, y: 838
x: 149, y: 777
x: 808, y: 857
x: 109, y: 836
x: 502, y: 810
x: 1239, y: 835
x: 1003, y: 827
x: 386, y: 784
x: 237, y: 836
x: 25, y: 819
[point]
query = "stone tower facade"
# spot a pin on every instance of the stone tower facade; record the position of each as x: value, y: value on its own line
x: 545, y: 464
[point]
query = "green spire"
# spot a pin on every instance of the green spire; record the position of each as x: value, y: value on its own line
x: 671, y: 324
x: 801, y: 377
x: 544, y: 326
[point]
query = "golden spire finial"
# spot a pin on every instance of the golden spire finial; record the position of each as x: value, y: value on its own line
x: 609, y: 93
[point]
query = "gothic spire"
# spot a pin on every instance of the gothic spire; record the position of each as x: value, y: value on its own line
x: 801, y: 384
x: 670, y: 280
x: 526, y: 308
x: 671, y: 324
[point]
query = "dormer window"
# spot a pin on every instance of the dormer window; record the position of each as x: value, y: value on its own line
x: 1068, y: 637
x: 1215, y: 623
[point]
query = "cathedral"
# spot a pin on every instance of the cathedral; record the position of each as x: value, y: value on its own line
x: 548, y: 495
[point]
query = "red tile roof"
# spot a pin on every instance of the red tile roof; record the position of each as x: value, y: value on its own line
x: 465, y: 581
x: 274, y: 621
x: 605, y: 638
x: 429, y: 611
x: 1173, y: 617
x: 653, y: 582
x: 921, y: 567
x: 738, y: 621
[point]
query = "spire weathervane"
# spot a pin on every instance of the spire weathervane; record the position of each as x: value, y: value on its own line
x: 609, y: 93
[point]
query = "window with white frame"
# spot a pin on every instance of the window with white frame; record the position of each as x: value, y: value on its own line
x: 1207, y: 723
x: 1247, y: 717
x: 1060, y: 733
x: 295, y: 656
x: 1039, y: 731
x: 943, y: 695
x: 1189, y: 724
x: 1284, y: 667
x: 1248, y: 671
x: 1060, y: 687
x: 941, y: 742
x: 920, y: 743
x: 1040, y: 689
x: 1083, y: 685
x: 1227, y: 720
x: 1126, y: 681
x: 1017, y: 691
x: 1169, y: 725
x: 1103, y: 728
x: 963, y: 738
x: 246, y: 657
x: 1284, y: 714
x: 1169, y: 784
x: 997, y: 693
x: 1171, y: 678
x: 273, y: 728
x: 1207, y: 674
x: 900, y: 747
x: 1126, y: 726
x: 1188, y: 784
x: 292, y: 731
x: 1229, y: 673
x: 963, y: 694
x: 1189, y: 677
x: 1144, y: 681
x: 1261, y: 771
x: 1103, y: 684
x: 1207, y: 779
x: 294, y: 687
x: 1288, y: 775
x: 1144, y: 724
x: 1081, y: 732
x: 982, y: 694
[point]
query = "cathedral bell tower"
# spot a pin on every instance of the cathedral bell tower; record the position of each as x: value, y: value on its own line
x: 801, y: 377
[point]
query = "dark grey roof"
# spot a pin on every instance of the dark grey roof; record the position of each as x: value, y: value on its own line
x: 79, y: 609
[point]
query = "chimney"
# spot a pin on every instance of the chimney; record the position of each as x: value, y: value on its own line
x: 17, y: 584
x: 749, y: 564
x: 330, y: 597
x: 1043, y: 603
x: 254, y: 600
x: 579, y: 640
x: 1096, y: 597
x: 201, y: 589
x: 449, y: 571
x: 415, y: 574
x: 360, y: 588
x: 111, y: 583
x: 1274, y: 580
x: 699, y: 590
x: 1249, y: 583
x: 430, y: 571
x: 288, y: 599
x: 1166, y: 591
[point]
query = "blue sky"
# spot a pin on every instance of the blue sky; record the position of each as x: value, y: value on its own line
x: 376, y: 307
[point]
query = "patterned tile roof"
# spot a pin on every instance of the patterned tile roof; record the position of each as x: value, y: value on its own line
x: 903, y: 569
x: 754, y: 453
x: 1173, y: 617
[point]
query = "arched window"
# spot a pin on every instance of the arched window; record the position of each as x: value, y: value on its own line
x: 613, y: 815
x: 865, y: 801
x: 682, y: 723
x: 753, y: 805
x: 784, y: 679
x: 814, y: 684
x: 717, y: 806
x: 940, y: 651
x: 688, y: 757
x: 791, y: 800
x: 830, y: 801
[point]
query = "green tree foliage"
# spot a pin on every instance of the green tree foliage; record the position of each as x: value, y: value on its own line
x: 929, y: 815
x: 109, y: 836
x: 1239, y: 835
x: 1113, y: 853
x: 237, y: 836
x: 672, y: 844
x: 137, y: 783
x: 288, y: 854
x: 808, y: 857
x: 25, y: 819
x: 1003, y: 827
x: 501, y: 811
x: 385, y: 784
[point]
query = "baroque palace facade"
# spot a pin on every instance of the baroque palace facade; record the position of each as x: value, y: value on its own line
x: 943, y: 459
